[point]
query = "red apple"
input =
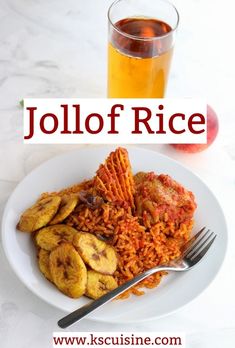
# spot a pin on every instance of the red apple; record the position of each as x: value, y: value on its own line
x: 212, y: 130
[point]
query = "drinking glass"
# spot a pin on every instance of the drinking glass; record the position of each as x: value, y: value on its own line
x: 141, y: 40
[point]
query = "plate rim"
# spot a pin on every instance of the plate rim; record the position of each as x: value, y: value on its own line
x: 111, y: 147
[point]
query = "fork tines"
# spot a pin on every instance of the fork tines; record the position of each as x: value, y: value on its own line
x: 197, y: 247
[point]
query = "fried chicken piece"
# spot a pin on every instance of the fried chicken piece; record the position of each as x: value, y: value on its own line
x: 160, y: 198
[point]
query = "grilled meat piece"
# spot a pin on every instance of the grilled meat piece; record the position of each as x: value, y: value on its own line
x: 160, y: 198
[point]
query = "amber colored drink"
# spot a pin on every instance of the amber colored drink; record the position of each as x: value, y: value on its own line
x: 140, y: 53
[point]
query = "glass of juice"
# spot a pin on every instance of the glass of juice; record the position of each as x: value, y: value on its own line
x: 141, y: 41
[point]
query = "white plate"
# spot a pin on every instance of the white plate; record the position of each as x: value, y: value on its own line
x: 175, y: 290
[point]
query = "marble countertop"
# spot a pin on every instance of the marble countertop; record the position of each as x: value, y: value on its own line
x: 58, y: 49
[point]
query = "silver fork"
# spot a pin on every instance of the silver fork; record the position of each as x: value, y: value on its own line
x: 192, y: 252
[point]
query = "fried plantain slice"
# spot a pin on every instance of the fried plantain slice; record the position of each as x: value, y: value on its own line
x: 100, y: 256
x: 99, y: 284
x: 43, y: 262
x: 50, y: 237
x: 39, y: 215
x: 68, y: 270
x: 67, y: 205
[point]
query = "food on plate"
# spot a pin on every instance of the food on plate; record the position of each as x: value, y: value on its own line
x: 160, y: 198
x: 100, y: 256
x: 67, y: 205
x: 68, y: 270
x: 101, y: 221
x: 99, y: 284
x: 39, y: 215
x: 114, y: 179
x: 212, y: 131
x: 50, y: 237
x: 43, y: 263
x: 119, y: 226
x: 85, y: 185
x: 140, y: 248
x: 92, y: 201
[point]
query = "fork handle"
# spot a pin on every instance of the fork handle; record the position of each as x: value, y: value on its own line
x: 83, y: 311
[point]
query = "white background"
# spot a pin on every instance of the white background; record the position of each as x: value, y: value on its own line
x: 58, y: 49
